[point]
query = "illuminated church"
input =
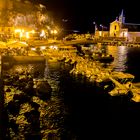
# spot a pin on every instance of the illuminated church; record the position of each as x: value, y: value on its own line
x: 120, y: 28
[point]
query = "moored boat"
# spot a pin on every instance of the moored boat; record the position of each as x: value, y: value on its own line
x: 122, y: 81
x: 103, y: 58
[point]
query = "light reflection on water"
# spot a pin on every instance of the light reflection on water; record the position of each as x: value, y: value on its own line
x: 120, y: 57
x: 84, y: 102
x: 52, y: 75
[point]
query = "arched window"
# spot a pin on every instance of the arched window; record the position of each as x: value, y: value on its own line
x: 115, y: 27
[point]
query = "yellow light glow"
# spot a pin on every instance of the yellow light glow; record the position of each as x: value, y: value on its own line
x: 54, y: 47
x: 43, y: 47
x: 21, y: 34
x: 42, y: 33
x: 53, y: 31
x: 22, y: 30
x: 100, y: 33
x: 33, y: 49
x: 27, y: 34
x: 125, y: 34
x: 17, y: 30
x: 33, y: 31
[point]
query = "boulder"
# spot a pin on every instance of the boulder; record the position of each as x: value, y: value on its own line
x: 43, y: 90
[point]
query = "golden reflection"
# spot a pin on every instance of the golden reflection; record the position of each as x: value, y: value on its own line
x: 120, y: 57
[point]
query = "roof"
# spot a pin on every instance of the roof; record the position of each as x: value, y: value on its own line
x: 102, y: 28
x: 132, y: 27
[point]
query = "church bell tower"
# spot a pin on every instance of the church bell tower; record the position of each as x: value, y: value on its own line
x: 122, y: 18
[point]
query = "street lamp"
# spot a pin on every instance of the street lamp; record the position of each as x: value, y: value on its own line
x: 94, y: 27
x: 102, y: 28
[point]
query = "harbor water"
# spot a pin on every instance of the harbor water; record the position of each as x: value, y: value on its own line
x: 86, y: 111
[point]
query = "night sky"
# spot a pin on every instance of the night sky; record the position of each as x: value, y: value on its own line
x: 82, y: 13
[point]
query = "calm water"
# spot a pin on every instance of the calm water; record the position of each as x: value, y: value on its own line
x: 126, y: 60
x: 88, y: 112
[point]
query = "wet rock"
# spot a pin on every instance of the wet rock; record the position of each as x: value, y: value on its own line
x: 43, y: 90
x: 32, y: 116
x: 13, y: 107
x: 16, y: 77
x: 21, y: 98
x: 29, y: 90
x: 8, y: 82
x: 21, y: 85
x: 52, y: 136
x: 34, y: 105
x: 8, y: 90
x: 13, y: 125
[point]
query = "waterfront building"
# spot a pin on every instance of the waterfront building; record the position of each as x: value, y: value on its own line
x: 101, y: 31
x: 120, y: 29
x: 24, y: 20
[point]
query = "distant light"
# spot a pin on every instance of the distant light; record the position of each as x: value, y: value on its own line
x: 54, y: 47
x: 42, y: 6
x: 21, y: 34
x: 51, y: 47
x: 42, y: 33
x: 75, y: 31
x: 27, y: 35
x: 65, y: 20
x: 33, y: 31
x: 33, y: 49
x: 17, y: 30
x: 100, y: 33
x: 125, y: 34
x: 53, y: 31
x: 43, y: 47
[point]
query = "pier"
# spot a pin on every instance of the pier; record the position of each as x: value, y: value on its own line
x: 83, y: 65
x: 85, y: 41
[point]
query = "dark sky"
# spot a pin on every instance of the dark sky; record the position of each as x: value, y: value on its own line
x: 82, y: 13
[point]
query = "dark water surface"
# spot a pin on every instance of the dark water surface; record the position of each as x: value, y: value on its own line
x: 89, y: 113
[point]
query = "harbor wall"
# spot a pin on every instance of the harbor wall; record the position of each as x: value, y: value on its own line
x: 23, y: 59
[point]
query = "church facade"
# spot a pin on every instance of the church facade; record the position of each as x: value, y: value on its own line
x: 121, y: 29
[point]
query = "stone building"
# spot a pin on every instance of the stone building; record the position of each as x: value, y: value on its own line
x: 21, y: 16
x: 120, y: 28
